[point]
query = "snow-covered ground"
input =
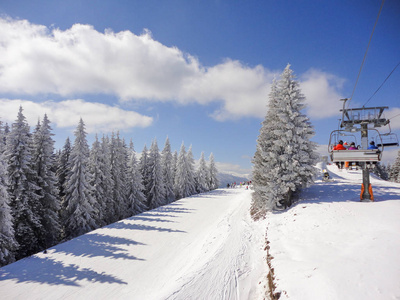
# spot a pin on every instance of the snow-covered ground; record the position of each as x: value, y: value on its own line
x: 332, y: 246
x: 201, y: 247
x: 327, y: 246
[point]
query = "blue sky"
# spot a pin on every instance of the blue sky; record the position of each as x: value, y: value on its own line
x: 196, y: 71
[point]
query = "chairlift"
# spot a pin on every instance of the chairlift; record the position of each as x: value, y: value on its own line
x: 360, y: 155
x: 389, y: 139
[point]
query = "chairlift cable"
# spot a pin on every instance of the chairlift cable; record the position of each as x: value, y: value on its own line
x: 382, y: 84
x: 365, y: 55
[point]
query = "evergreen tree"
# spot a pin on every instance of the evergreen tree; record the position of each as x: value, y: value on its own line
x: 24, y: 193
x: 285, y: 156
x: 212, y: 174
x: 202, y: 176
x: 118, y: 175
x: 43, y: 162
x: 156, y: 186
x: 191, y: 171
x: 63, y: 168
x: 8, y: 244
x: 168, y: 171
x: 96, y: 168
x: 136, y: 199
x: 144, y: 169
x: 78, y: 205
x: 106, y: 181
x: 395, y: 170
x: 182, y: 185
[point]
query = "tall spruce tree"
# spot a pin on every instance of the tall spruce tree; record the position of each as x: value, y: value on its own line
x: 285, y: 156
x: 106, y: 182
x: 97, y: 178
x: 136, y: 198
x: 43, y: 162
x: 183, y: 186
x: 78, y: 207
x: 156, y: 186
x: 24, y: 193
x: 394, y: 173
x: 202, y: 175
x: 168, y: 172
x: 63, y: 168
x: 8, y: 244
x: 212, y: 174
x: 191, y: 171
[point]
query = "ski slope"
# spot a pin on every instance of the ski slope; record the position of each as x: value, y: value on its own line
x: 332, y: 246
x: 201, y: 247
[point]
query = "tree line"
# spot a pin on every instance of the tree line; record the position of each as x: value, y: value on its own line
x: 49, y: 196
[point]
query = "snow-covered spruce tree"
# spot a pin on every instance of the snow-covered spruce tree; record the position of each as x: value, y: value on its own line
x: 395, y: 170
x: 63, y: 168
x: 144, y: 169
x: 118, y: 174
x: 106, y: 182
x: 136, y: 198
x: 8, y: 244
x: 191, y: 171
x: 174, y: 162
x: 78, y: 207
x: 96, y: 168
x: 182, y: 185
x: 202, y: 175
x: 24, y: 193
x: 156, y: 186
x: 168, y: 171
x: 43, y: 162
x: 213, y: 182
x: 287, y: 155
x: 265, y: 161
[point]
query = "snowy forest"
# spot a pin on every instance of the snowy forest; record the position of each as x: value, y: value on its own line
x: 48, y: 196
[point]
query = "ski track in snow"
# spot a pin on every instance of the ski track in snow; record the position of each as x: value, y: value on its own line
x: 202, y: 247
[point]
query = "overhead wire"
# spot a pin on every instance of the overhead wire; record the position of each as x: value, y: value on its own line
x: 382, y: 84
x: 365, y: 55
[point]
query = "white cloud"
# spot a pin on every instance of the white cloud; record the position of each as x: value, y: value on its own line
x: 80, y: 60
x: 98, y: 117
x: 321, y: 91
x: 394, y: 115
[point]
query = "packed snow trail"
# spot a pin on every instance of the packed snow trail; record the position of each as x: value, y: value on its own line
x: 201, y: 247
x: 332, y: 246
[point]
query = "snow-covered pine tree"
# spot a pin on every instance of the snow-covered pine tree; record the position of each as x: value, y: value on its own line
x: 63, y: 168
x: 168, y: 171
x: 156, y: 186
x: 182, y: 185
x: 191, y: 171
x: 24, y: 193
x: 262, y: 197
x: 118, y: 175
x: 394, y: 174
x: 96, y: 168
x: 202, y: 175
x: 288, y: 155
x: 212, y: 174
x: 106, y: 182
x: 144, y: 169
x: 8, y: 244
x: 43, y: 162
x: 173, y: 164
x: 78, y: 207
x: 136, y: 198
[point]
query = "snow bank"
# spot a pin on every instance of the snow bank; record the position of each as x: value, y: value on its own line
x: 332, y: 246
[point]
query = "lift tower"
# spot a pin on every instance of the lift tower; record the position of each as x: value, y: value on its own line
x: 364, y: 119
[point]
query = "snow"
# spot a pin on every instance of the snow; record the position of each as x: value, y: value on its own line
x: 327, y: 246
x: 332, y: 246
x: 204, y: 246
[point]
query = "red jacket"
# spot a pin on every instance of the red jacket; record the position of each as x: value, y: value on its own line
x: 339, y: 147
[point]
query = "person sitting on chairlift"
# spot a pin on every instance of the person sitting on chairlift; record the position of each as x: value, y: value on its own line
x: 339, y: 146
x: 352, y: 146
x: 372, y: 146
